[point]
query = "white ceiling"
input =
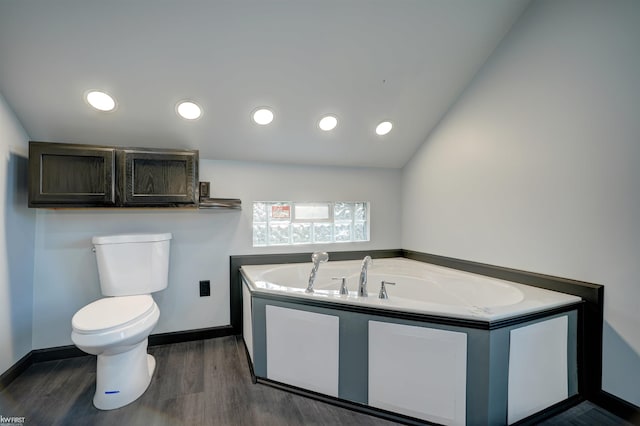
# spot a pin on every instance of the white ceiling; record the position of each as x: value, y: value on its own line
x: 364, y: 60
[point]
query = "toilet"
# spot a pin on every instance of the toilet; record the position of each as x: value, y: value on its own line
x: 116, y: 328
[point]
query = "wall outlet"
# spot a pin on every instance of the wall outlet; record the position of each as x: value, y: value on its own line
x: 205, y: 288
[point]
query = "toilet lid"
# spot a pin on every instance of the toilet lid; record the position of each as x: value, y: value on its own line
x: 111, y: 312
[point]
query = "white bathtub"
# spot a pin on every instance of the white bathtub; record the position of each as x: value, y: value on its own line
x: 420, y: 288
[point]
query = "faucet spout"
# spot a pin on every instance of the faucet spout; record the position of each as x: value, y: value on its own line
x: 317, y: 258
x: 362, y: 282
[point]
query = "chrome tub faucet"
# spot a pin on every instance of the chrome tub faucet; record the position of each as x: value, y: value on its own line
x: 362, y: 282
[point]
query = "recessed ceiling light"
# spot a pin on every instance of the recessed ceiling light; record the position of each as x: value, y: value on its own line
x: 188, y: 110
x: 328, y: 122
x: 384, y: 128
x: 262, y: 116
x: 100, y: 100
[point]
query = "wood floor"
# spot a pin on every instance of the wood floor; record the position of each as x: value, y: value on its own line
x: 205, y: 382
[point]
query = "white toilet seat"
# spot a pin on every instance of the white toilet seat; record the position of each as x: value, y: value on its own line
x: 112, y: 324
x: 110, y: 313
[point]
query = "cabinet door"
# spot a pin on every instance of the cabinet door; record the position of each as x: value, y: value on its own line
x: 150, y: 177
x: 65, y: 175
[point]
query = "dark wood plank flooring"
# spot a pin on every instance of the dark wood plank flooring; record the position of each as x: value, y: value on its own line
x: 204, y: 382
x: 586, y: 414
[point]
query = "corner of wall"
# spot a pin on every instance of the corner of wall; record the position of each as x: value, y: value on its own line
x: 17, y: 237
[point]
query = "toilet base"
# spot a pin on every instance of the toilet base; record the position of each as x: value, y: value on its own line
x: 123, y: 377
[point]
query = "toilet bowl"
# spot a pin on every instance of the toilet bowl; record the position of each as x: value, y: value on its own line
x: 116, y: 328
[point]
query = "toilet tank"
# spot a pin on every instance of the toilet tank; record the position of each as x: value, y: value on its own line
x: 132, y: 264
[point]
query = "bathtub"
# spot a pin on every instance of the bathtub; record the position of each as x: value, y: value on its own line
x: 420, y: 288
x: 447, y: 346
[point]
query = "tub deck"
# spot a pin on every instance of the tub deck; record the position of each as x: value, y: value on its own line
x: 421, y: 288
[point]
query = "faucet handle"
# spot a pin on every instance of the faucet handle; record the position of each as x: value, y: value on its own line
x: 343, y: 284
x: 383, y: 290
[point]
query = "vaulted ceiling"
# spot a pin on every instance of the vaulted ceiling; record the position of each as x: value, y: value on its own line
x: 363, y: 60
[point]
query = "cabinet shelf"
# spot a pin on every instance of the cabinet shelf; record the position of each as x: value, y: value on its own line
x: 220, y: 203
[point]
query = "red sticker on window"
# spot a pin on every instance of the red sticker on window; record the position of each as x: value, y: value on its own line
x: 281, y: 212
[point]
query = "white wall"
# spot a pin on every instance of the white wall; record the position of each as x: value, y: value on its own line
x: 17, y: 225
x: 536, y: 165
x: 66, y: 278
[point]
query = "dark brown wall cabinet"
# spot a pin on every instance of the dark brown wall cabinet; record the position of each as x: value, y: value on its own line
x: 71, y: 175
x: 66, y: 175
x: 157, y: 177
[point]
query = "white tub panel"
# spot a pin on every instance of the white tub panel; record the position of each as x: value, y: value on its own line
x: 537, y: 367
x: 302, y: 349
x: 247, y: 319
x: 418, y: 371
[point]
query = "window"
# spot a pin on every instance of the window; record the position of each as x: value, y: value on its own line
x: 287, y: 223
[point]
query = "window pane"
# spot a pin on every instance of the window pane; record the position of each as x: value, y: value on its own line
x: 301, y: 233
x: 278, y: 233
x: 259, y: 212
x: 360, y: 231
x: 343, y: 232
x: 343, y: 211
x: 259, y: 234
x: 361, y: 211
x: 322, y: 232
x: 312, y: 211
